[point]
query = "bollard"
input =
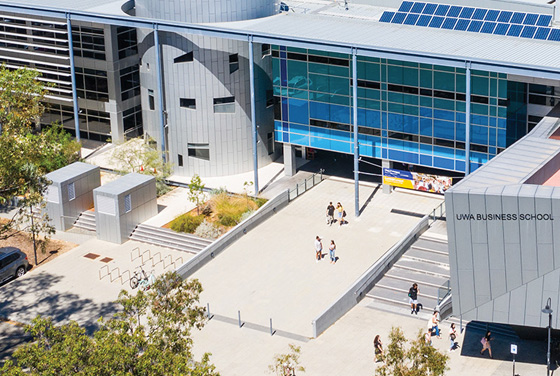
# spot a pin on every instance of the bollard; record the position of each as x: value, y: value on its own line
x: 208, y: 310
x: 239, y: 318
x: 271, y: 332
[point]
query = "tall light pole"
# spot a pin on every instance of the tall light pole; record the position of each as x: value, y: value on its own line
x: 548, y: 310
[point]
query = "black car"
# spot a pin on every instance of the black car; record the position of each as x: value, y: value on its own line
x: 13, y: 263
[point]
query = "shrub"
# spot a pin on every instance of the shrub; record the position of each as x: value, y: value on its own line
x: 259, y: 201
x: 229, y: 219
x: 206, y: 210
x: 246, y: 215
x: 186, y: 223
x: 218, y: 191
x: 208, y: 230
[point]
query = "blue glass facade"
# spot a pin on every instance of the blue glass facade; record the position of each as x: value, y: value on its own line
x: 407, y: 112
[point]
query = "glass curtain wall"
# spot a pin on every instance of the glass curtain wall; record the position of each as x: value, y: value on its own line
x: 407, y: 112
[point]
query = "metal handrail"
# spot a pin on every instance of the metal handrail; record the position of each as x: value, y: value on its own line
x: 306, y: 184
x: 433, y: 215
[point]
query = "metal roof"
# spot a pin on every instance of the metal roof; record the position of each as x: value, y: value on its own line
x: 124, y: 184
x: 70, y: 172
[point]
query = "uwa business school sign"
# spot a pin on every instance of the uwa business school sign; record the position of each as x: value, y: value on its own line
x: 504, y: 217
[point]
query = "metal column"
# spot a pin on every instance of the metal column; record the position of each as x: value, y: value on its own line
x: 468, y: 121
x: 253, y: 117
x: 355, y: 125
x: 160, y: 91
x: 73, y: 73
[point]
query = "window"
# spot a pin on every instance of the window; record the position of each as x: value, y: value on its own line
x: 270, y: 142
x: 71, y: 191
x: 224, y: 105
x: 200, y: 151
x: 132, y: 122
x: 265, y: 50
x: 151, y: 99
x: 180, y: 160
x: 186, y: 58
x: 188, y: 103
x: 127, y: 203
x: 233, y: 63
x: 130, y: 82
x: 92, y: 84
x: 269, y: 98
x: 88, y: 42
x: 126, y: 41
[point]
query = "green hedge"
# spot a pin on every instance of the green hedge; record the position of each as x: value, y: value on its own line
x: 186, y: 223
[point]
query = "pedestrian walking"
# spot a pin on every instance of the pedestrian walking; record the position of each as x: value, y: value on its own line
x: 340, y: 213
x: 379, y: 356
x: 428, y: 335
x: 332, y: 250
x: 486, y: 344
x: 318, y: 249
x: 413, y: 298
x: 452, y: 336
x: 435, y: 323
x: 330, y: 214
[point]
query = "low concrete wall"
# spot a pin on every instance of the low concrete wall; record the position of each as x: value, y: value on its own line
x: 366, y: 281
x: 214, y: 249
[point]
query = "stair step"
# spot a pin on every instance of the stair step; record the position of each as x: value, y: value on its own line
x: 431, y: 244
x: 421, y: 279
x: 409, y: 264
x: 171, y: 233
x: 172, y: 238
x: 178, y: 247
x: 424, y: 249
x: 412, y: 256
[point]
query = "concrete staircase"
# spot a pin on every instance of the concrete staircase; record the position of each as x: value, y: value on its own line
x: 426, y: 262
x: 169, y: 238
x: 86, y: 221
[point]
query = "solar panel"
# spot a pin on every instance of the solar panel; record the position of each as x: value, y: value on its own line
x: 505, y: 16
x: 462, y: 24
x: 517, y: 18
x: 429, y: 8
x: 528, y: 31
x: 479, y: 14
x: 442, y: 10
x: 530, y: 19
x: 466, y: 12
x: 386, y: 16
x: 488, y: 27
x: 417, y: 7
x: 454, y: 11
x: 449, y: 23
x: 411, y: 19
x: 423, y: 20
x: 398, y: 18
x: 475, y: 26
x: 554, y: 34
x: 405, y: 6
x: 514, y: 30
x: 492, y: 15
x: 501, y: 29
x: 436, y: 22
x: 542, y: 33
x: 544, y: 20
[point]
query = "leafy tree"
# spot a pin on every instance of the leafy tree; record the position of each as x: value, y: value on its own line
x: 149, y: 336
x: 196, y: 192
x: 28, y: 155
x: 138, y: 156
x: 287, y: 364
x: 420, y: 359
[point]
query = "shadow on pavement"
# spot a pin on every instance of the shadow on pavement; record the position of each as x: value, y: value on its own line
x: 528, y: 350
x: 25, y: 298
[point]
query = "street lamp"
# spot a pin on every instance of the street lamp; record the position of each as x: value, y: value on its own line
x: 548, y: 310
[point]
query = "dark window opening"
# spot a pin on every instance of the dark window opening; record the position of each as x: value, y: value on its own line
x: 265, y: 50
x: 479, y: 99
x: 186, y: 58
x: 368, y: 84
x: 180, y: 160
x: 295, y: 56
x: 329, y: 60
x: 233, y: 63
x: 270, y: 142
x: 275, y: 53
x: 269, y: 98
x: 370, y: 131
x: 188, y: 103
x: 151, y: 99
x: 443, y: 94
x: 445, y: 143
x: 200, y: 151
x: 479, y: 148
x: 224, y: 105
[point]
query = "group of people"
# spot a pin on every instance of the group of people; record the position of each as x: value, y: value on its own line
x: 319, y: 250
x: 340, y: 214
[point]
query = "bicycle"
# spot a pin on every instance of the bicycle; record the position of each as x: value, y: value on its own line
x: 141, y: 278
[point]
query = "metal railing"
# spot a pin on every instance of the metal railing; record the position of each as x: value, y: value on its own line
x: 443, y: 291
x: 306, y: 184
x: 438, y: 213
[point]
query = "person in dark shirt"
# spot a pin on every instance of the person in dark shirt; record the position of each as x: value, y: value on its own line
x: 413, y: 298
x: 330, y: 213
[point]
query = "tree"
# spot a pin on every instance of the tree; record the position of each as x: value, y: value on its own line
x: 28, y: 155
x: 196, y: 192
x: 138, y: 156
x: 420, y: 359
x: 287, y: 364
x: 149, y: 336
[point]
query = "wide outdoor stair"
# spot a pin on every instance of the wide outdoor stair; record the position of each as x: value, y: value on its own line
x: 169, y: 238
x: 426, y: 263
x: 86, y: 221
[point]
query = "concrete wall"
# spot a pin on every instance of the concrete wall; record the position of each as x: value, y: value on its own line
x: 504, y: 249
x: 62, y: 211
x: 113, y: 222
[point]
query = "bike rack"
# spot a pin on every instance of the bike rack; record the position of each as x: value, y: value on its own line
x: 118, y: 276
x: 153, y: 258
x: 123, y: 281
x: 170, y: 261
x: 149, y: 256
x: 106, y: 274
x: 177, y: 260
x: 137, y: 249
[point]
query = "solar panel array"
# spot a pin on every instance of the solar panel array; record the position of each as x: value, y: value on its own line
x: 476, y: 20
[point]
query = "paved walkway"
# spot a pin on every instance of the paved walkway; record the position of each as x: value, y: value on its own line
x: 272, y: 273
